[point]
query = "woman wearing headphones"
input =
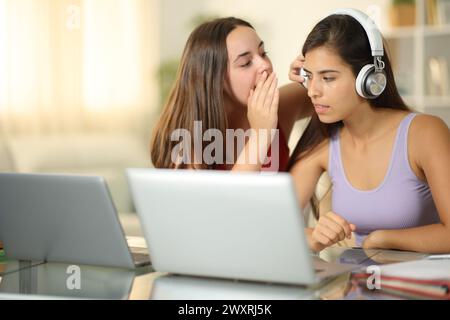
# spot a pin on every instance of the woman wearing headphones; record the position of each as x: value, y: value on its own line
x: 389, y: 167
x: 226, y: 83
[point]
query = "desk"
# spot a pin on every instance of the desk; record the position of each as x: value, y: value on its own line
x: 53, y: 280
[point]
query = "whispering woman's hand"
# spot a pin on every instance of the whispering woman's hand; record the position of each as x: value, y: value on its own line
x: 262, y: 111
x: 294, y: 70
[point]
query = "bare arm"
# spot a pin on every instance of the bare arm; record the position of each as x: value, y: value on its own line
x: 306, y: 174
x: 294, y: 101
x: 252, y: 156
x: 431, y: 138
x: 307, y: 171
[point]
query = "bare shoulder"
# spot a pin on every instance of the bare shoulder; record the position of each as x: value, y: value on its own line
x: 317, y: 158
x: 428, y: 136
x: 425, y: 128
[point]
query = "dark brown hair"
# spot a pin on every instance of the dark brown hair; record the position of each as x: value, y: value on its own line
x: 344, y: 35
x: 198, y: 92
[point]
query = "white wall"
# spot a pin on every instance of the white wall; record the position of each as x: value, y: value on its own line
x: 283, y: 24
x: 175, y: 24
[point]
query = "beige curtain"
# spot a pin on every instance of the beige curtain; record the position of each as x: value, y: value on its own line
x: 77, y: 65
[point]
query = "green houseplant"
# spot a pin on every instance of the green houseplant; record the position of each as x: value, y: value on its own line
x: 168, y: 68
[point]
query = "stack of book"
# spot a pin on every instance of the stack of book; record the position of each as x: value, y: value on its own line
x: 422, y: 279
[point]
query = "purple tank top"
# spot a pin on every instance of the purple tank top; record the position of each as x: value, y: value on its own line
x: 401, y: 201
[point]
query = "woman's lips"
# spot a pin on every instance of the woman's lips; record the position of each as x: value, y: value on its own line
x: 321, y: 109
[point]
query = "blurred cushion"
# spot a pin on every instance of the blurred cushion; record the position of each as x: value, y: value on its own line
x: 106, y: 155
x: 6, y: 163
x: 77, y: 151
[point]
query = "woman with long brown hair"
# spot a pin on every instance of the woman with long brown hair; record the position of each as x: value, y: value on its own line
x: 389, y: 167
x: 226, y: 82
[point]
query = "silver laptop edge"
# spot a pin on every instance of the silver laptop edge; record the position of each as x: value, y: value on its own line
x: 61, y: 218
x: 220, y: 224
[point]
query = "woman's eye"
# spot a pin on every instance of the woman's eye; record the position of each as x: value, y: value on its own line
x: 247, y: 64
x: 264, y: 54
x: 328, y: 79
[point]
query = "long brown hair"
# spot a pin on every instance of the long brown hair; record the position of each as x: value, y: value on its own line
x: 198, y: 93
x: 346, y: 36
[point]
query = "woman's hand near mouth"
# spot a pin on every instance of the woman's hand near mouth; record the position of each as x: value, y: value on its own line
x: 263, y: 101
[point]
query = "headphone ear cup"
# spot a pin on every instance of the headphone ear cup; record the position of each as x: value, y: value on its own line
x: 305, y: 77
x: 375, y: 84
x: 361, y: 80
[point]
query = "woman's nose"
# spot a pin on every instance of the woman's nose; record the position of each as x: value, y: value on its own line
x: 264, y: 66
x: 313, y: 90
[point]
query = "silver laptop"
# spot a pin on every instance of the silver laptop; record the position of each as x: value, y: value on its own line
x: 62, y: 218
x: 228, y: 225
x: 177, y: 287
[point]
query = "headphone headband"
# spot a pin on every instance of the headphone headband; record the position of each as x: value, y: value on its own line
x: 374, y: 35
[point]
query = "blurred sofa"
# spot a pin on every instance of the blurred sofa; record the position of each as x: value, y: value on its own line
x: 107, y: 155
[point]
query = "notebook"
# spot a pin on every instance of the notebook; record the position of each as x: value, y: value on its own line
x: 429, y: 278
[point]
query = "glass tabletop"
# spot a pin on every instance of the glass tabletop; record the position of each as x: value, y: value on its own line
x: 61, y: 280
x: 37, y: 280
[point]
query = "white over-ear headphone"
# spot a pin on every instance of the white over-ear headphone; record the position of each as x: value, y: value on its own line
x: 371, y: 80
